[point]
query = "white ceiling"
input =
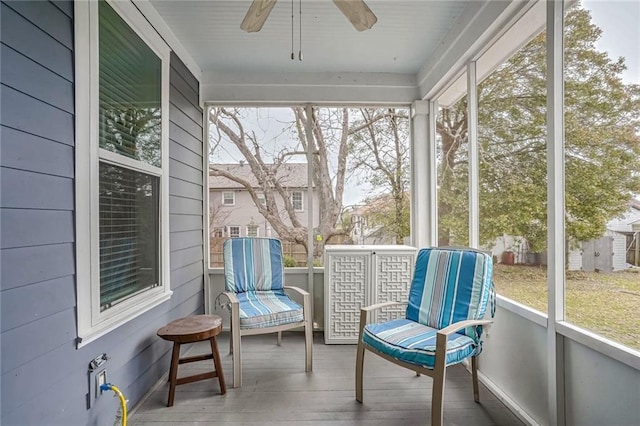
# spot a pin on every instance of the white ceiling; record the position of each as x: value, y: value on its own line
x: 406, y: 34
x: 413, y: 52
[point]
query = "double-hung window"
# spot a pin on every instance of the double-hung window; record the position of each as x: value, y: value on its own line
x: 122, y: 85
x: 228, y: 198
x: 234, y: 231
x: 296, y: 201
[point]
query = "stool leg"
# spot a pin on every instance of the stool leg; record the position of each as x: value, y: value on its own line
x: 173, y: 372
x: 218, y: 364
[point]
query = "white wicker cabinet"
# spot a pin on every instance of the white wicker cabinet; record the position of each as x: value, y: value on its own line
x: 357, y: 276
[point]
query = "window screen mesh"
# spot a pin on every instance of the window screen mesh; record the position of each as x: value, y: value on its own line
x: 129, y: 229
x: 130, y: 91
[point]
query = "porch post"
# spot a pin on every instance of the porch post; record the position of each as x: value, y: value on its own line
x: 555, y: 210
x: 423, y: 175
x: 310, y: 205
x: 474, y: 173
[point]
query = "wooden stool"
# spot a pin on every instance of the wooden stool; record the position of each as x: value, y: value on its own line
x: 190, y: 330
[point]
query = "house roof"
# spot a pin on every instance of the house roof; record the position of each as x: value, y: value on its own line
x: 290, y: 175
x: 625, y: 222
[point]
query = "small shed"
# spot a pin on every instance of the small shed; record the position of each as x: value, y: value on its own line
x: 605, y: 254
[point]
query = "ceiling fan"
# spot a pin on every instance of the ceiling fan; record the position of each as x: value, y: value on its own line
x: 356, y: 11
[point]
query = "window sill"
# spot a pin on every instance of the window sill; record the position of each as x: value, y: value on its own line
x: 121, y: 319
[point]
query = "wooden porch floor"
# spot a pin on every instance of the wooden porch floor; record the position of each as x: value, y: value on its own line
x: 276, y: 390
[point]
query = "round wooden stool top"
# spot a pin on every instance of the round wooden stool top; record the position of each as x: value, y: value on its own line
x: 192, y: 328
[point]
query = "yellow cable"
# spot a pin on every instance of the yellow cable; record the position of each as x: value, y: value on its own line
x: 123, y: 402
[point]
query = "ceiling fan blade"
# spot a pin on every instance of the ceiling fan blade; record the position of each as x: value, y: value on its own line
x: 358, y: 13
x: 257, y: 15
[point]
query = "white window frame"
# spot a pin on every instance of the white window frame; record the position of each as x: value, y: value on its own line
x: 233, y: 198
x: 252, y: 226
x: 262, y: 199
x: 301, y: 209
x: 229, y: 231
x: 92, y: 323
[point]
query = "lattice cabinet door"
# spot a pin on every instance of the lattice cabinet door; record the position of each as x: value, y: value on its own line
x: 345, y: 278
x: 393, y: 271
x: 357, y: 276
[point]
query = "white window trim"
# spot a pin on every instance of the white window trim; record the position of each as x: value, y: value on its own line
x: 229, y: 230
x: 262, y: 199
x: 92, y: 323
x: 257, y: 231
x: 233, y: 198
x: 301, y: 209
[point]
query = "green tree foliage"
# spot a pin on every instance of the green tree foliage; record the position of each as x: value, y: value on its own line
x: 602, y: 143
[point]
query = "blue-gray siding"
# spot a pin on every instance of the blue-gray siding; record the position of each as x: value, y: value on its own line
x: 44, y: 377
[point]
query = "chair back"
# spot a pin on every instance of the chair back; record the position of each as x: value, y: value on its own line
x: 253, y: 264
x: 450, y: 285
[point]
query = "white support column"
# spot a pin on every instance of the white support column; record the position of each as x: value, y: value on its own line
x: 310, y: 203
x: 474, y: 174
x: 433, y: 175
x: 423, y: 188
x: 555, y: 210
x: 206, y: 232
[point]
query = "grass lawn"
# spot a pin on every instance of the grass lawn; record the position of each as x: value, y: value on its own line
x: 606, y: 304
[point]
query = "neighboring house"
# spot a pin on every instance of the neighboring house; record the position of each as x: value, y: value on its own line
x: 362, y: 232
x: 233, y: 212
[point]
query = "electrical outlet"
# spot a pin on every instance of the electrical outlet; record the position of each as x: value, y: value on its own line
x: 101, y: 379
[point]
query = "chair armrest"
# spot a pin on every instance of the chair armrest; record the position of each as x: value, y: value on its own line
x: 364, y: 312
x: 298, y: 290
x: 457, y: 326
x: 231, y: 296
x: 441, y: 341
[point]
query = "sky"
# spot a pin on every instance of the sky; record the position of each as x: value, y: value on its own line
x: 620, y: 24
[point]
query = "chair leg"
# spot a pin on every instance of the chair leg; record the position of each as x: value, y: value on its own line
x: 218, y: 365
x: 173, y: 373
x: 438, y: 381
x: 237, y: 352
x: 308, y: 346
x: 359, y: 369
x: 231, y: 339
x: 279, y: 338
x: 437, y: 397
x: 474, y: 376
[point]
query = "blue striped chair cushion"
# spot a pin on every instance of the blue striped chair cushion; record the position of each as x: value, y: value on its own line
x: 267, y: 309
x: 450, y: 285
x: 415, y: 343
x: 253, y: 264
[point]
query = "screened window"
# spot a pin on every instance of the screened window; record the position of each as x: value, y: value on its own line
x: 130, y: 126
x: 228, y: 198
x: 296, y: 200
x: 261, y: 199
x: 121, y: 185
x: 252, y: 231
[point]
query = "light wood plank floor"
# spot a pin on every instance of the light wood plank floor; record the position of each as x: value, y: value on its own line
x: 276, y: 391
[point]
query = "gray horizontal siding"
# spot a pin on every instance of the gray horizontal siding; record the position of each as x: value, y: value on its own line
x: 30, y: 190
x: 35, y: 154
x: 33, y: 79
x: 34, y: 42
x: 28, y: 265
x: 43, y: 298
x: 37, y: 279
x: 184, y: 257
